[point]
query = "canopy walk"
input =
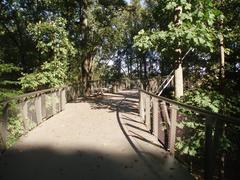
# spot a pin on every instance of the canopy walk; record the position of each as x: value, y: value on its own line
x: 93, y: 138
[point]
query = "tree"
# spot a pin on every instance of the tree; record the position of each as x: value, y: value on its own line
x: 196, y: 30
x: 52, y: 42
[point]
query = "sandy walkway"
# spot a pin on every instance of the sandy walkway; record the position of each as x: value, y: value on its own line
x: 91, y: 139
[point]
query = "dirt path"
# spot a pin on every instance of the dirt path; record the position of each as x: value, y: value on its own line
x: 99, y: 138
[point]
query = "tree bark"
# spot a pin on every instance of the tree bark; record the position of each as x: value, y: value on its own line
x: 87, y: 74
x: 222, y: 55
x: 178, y: 74
x: 178, y: 80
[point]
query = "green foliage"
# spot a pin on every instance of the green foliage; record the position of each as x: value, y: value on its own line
x: 15, y: 125
x: 8, y: 68
x: 50, y: 74
x: 5, y: 70
x: 209, y: 100
x: 192, y: 142
x: 193, y: 124
x: 52, y: 41
x: 196, y: 28
x: 15, y: 130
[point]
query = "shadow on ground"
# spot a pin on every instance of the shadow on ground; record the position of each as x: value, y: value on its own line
x: 45, y: 163
x: 84, y: 163
x: 111, y: 101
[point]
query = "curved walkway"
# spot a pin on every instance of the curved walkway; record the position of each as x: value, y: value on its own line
x: 94, y: 138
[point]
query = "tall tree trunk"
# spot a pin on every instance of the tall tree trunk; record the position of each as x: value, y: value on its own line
x: 222, y: 55
x: 87, y: 74
x: 140, y: 69
x: 145, y: 72
x: 130, y: 66
x: 178, y: 80
x: 178, y: 74
x: 221, y: 125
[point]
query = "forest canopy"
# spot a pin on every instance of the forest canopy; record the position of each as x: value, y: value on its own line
x: 46, y: 44
x: 196, y: 43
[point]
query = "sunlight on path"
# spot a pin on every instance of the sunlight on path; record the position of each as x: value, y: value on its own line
x: 90, y: 140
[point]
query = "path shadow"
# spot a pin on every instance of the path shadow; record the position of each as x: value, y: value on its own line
x: 160, y: 165
x: 111, y: 101
x: 126, y: 118
x: 48, y: 164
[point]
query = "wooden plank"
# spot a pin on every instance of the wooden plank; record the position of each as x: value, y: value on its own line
x: 31, y: 114
x: 156, y: 117
x: 31, y: 95
x: 165, y: 113
x: 38, y: 108
x: 24, y: 113
x: 148, y: 111
x: 144, y: 108
x: 3, y: 127
x: 43, y: 106
x: 141, y: 106
x: 54, y: 102
x: 172, y: 131
x: 58, y: 101
x: 162, y: 127
x: 63, y: 97
x: 49, y: 108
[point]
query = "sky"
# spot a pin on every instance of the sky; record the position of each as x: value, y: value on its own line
x: 128, y: 1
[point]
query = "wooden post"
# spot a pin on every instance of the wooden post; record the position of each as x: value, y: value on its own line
x: 141, y: 109
x: 173, y: 125
x: 164, y: 125
x: 165, y: 113
x: 58, y: 100
x: 49, y: 105
x: 64, y: 100
x: 3, y: 128
x: 61, y: 99
x: 148, y: 118
x: 53, y: 99
x: 43, y: 104
x: 156, y: 117
x: 144, y: 107
x: 38, y: 108
x: 25, y: 115
x: 209, y: 170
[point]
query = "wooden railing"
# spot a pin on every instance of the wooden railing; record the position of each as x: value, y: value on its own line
x: 29, y: 110
x: 161, y: 116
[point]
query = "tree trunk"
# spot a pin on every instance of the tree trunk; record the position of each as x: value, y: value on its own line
x: 222, y: 55
x: 140, y: 69
x: 178, y: 80
x: 178, y: 74
x: 145, y: 72
x: 222, y: 88
x: 87, y: 74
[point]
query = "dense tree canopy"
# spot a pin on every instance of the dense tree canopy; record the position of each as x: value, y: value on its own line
x: 51, y: 43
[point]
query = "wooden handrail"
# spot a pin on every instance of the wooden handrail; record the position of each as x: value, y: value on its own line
x: 165, y: 112
x: 213, y: 115
x: 31, y: 94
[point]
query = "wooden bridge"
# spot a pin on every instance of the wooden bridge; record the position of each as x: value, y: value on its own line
x: 92, y: 138
x: 126, y: 135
